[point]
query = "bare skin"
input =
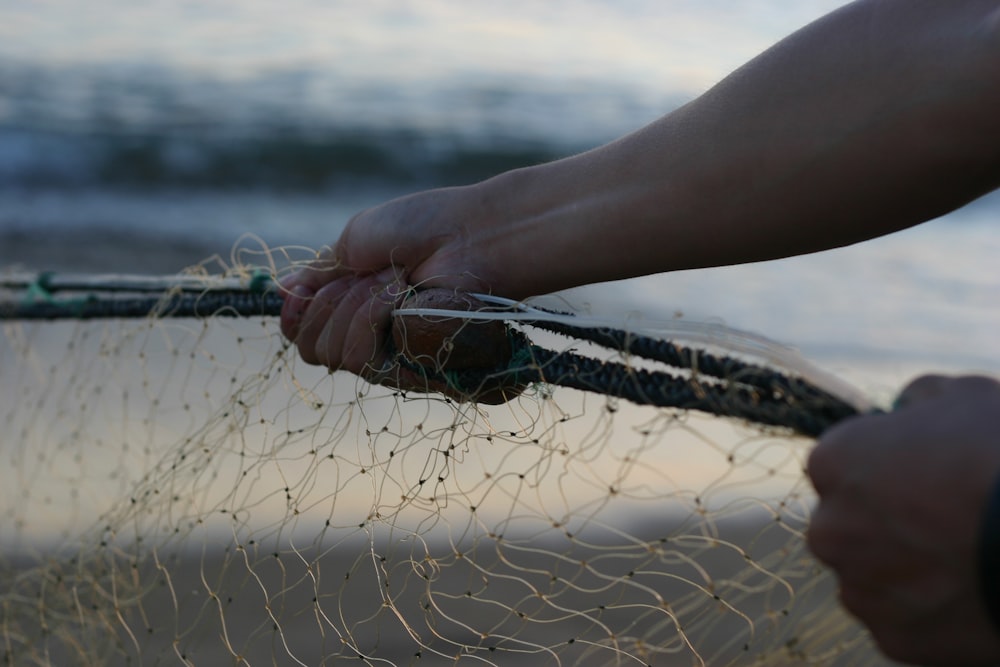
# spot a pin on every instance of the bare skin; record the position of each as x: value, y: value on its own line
x: 897, y: 518
x: 880, y: 116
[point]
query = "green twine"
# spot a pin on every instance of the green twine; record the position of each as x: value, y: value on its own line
x: 40, y: 292
x: 260, y: 282
x: 40, y: 289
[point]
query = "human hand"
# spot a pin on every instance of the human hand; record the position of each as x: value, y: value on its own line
x: 900, y: 517
x: 337, y: 311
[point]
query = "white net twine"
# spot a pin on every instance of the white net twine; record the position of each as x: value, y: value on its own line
x: 188, y: 492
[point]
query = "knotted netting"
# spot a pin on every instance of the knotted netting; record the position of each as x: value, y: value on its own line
x: 184, y: 490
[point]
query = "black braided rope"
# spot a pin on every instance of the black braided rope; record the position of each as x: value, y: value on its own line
x: 208, y: 304
x: 722, y: 398
x: 698, y: 361
x: 716, y: 384
x: 809, y: 411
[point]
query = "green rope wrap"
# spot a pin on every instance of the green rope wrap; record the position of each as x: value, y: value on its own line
x: 40, y: 289
x: 260, y: 282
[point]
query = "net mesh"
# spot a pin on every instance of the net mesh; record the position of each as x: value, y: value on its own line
x: 180, y: 491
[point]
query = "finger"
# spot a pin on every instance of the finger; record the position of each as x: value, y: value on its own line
x: 833, y: 458
x: 300, y: 287
x: 318, y: 316
x: 326, y: 267
x: 921, y: 389
x: 839, y: 533
x: 978, y: 385
x: 365, y: 348
x: 849, y: 533
x: 870, y: 602
x: 822, y: 538
x: 894, y: 625
x: 296, y: 303
x: 355, y: 330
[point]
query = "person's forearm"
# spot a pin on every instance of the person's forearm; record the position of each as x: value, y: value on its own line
x: 877, y: 117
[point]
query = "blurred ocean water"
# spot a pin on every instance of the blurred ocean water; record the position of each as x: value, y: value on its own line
x: 323, y: 97
x: 147, y: 136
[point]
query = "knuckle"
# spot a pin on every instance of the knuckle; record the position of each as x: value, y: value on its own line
x: 844, y: 450
x: 978, y: 384
x: 922, y: 389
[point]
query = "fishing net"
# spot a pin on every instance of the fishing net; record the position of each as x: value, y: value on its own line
x: 179, y: 488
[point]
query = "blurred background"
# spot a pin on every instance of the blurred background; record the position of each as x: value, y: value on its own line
x: 146, y: 136
x: 176, y: 126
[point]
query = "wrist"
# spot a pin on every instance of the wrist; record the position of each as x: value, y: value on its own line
x: 537, y: 232
x: 576, y: 221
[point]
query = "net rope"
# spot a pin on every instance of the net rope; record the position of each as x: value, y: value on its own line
x: 721, y: 385
x: 187, y: 491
